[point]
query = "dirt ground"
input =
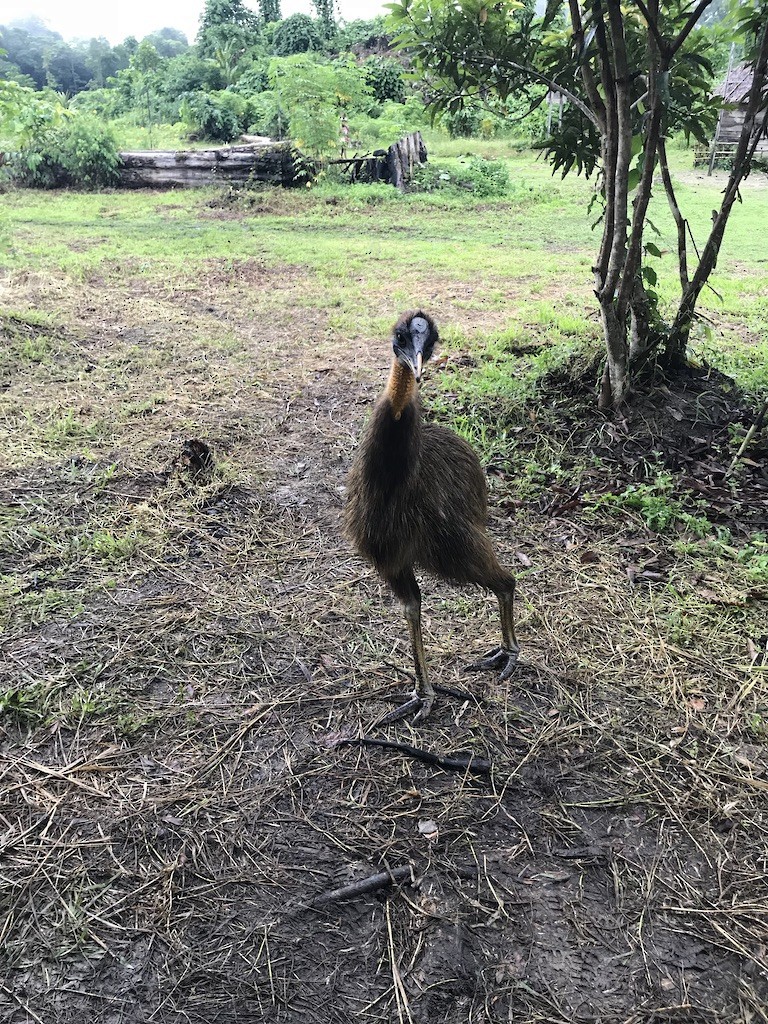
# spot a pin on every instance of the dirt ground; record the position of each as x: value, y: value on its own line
x: 175, y: 811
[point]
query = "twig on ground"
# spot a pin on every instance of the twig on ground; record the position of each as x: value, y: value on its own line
x: 365, y: 885
x: 458, y: 763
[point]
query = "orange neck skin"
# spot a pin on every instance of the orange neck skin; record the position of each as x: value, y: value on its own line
x: 401, y: 388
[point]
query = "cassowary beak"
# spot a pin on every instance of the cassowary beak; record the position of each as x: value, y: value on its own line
x: 419, y: 331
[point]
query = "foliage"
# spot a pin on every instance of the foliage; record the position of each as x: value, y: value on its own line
x: 106, y: 104
x: 254, y: 79
x: 297, y: 34
x: 315, y: 94
x: 268, y: 117
x: 385, y: 78
x: 484, y: 179
x: 80, y: 152
x: 269, y: 10
x: 361, y: 35
x: 384, y: 124
x: 223, y: 19
x: 220, y: 116
x: 27, y: 116
x: 190, y: 73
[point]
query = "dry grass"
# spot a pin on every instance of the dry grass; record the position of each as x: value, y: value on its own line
x: 174, y: 807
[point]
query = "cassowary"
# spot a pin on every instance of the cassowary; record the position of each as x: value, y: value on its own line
x: 417, y: 496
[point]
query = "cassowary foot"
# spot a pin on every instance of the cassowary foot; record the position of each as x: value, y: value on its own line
x: 500, y: 658
x: 419, y: 702
x: 427, y: 700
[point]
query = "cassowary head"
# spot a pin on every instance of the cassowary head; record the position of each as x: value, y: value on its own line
x: 413, y: 340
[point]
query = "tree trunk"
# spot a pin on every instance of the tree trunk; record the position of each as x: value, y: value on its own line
x: 640, y: 329
x: 615, y: 378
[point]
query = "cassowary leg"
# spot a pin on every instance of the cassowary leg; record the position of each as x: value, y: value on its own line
x: 406, y: 589
x: 504, y: 657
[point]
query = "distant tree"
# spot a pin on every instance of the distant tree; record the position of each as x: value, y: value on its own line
x: 26, y: 49
x: 221, y: 17
x: 103, y: 61
x: 190, y: 73
x: 269, y: 11
x: 129, y: 45
x: 169, y: 42
x: 66, y: 69
x: 325, y: 15
x: 297, y: 34
x: 144, y: 76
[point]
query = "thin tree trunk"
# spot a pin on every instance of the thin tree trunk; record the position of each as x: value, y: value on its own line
x: 640, y: 329
x: 615, y: 380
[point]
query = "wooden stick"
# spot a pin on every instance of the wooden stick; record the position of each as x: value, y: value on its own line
x: 364, y: 885
x: 757, y: 425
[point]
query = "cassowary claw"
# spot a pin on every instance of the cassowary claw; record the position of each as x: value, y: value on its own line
x: 499, y: 658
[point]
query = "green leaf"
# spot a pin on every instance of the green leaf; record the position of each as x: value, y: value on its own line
x: 650, y: 276
x: 633, y: 179
x: 652, y: 250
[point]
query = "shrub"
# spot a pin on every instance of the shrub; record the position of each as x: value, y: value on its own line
x: 220, y: 116
x: 268, y: 117
x: 297, y: 34
x: 385, y: 78
x: 483, y: 178
x: 81, y: 153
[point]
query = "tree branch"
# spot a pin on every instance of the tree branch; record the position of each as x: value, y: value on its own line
x: 609, y: 148
x: 623, y: 150
x: 687, y: 28
x: 682, y: 247
x: 633, y: 261
x: 653, y: 26
x: 553, y: 84
x: 586, y: 71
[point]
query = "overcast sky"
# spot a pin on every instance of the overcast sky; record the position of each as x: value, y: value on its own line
x: 116, y: 19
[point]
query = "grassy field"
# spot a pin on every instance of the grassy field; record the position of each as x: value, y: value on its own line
x: 181, y: 650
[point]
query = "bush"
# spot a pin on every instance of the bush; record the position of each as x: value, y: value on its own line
x: 219, y: 116
x: 268, y: 117
x: 385, y: 78
x: 254, y: 79
x: 81, y: 153
x: 483, y: 178
x: 297, y: 34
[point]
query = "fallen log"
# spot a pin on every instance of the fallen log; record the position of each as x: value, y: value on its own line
x: 276, y: 163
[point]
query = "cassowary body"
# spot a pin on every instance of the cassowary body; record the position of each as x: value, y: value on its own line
x: 417, y: 497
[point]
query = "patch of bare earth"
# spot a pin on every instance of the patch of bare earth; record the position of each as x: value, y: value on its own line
x: 177, y: 819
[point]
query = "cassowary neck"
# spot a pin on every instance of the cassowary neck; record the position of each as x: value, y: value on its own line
x: 401, y: 388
